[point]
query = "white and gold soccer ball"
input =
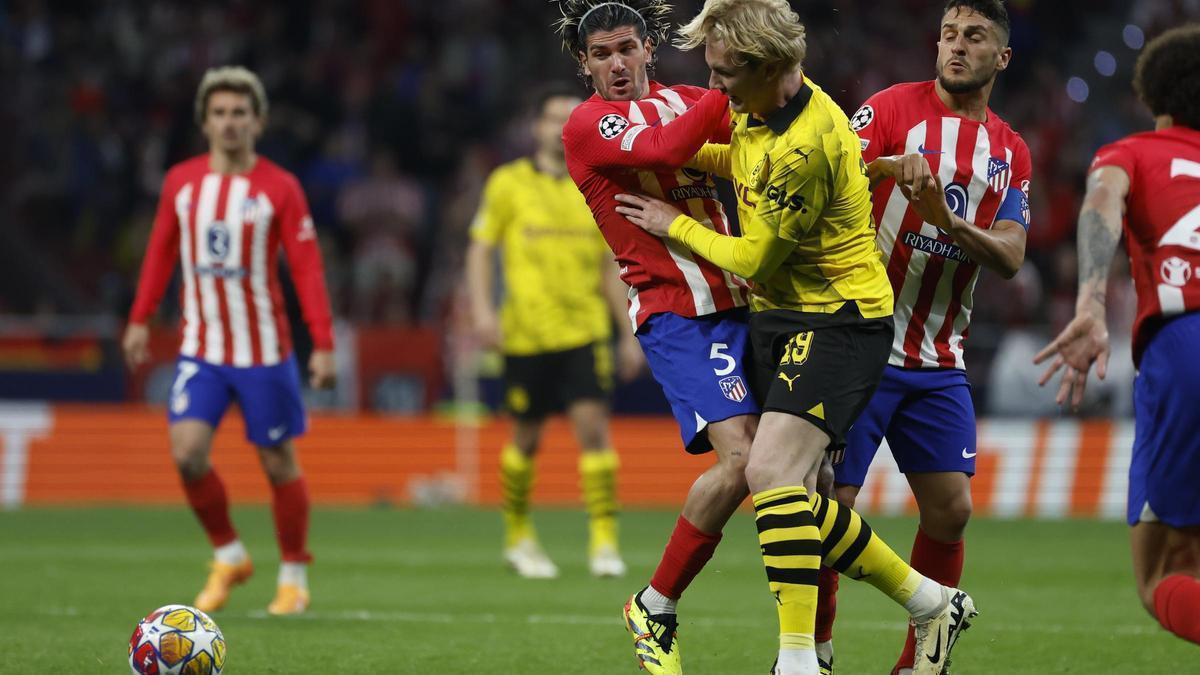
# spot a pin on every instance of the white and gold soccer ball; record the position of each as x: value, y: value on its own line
x: 177, y: 640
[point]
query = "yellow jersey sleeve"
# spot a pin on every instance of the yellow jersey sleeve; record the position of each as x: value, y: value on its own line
x: 754, y: 255
x: 797, y: 189
x: 714, y: 158
x: 495, y: 210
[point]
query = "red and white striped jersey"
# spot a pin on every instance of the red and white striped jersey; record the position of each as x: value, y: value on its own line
x: 1162, y: 223
x: 616, y: 147
x: 985, y: 169
x: 226, y: 230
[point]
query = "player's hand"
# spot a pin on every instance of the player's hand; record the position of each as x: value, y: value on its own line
x: 929, y: 201
x: 652, y: 215
x: 913, y: 175
x: 487, y: 329
x: 630, y: 359
x: 324, y: 372
x: 136, y: 345
x: 1083, y: 342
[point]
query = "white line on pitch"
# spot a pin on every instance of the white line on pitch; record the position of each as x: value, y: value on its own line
x: 597, y: 620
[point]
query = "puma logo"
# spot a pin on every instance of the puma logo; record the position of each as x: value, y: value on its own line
x: 790, y: 380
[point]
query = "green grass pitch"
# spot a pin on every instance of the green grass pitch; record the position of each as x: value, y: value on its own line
x: 424, y: 592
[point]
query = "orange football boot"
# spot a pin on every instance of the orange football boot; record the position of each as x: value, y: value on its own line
x: 222, y: 577
x: 289, y: 599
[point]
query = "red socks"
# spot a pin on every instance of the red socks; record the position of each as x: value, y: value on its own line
x: 1177, y: 606
x: 289, y: 503
x: 688, y: 550
x: 827, y: 585
x: 939, y: 561
x: 211, y: 505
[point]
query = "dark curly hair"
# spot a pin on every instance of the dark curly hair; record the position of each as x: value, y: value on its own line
x: 1167, y: 76
x: 993, y: 10
x: 650, y: 17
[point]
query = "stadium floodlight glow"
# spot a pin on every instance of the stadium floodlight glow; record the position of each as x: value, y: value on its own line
x: 1106, y: 63
x: 1134, y: 37
x: 1077, y: 89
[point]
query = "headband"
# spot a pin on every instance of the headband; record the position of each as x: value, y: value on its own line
x: 603, y: 4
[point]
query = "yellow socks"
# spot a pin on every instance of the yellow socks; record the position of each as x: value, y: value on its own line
x: 598, y: 481
x: 850, y: 547
x: 516, y: 481
x: 791, y: 552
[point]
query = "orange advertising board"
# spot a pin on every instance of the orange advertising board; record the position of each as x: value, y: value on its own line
x: 66, y: 454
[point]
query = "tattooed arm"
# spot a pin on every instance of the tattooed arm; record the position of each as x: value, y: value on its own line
x: 1085, y: 340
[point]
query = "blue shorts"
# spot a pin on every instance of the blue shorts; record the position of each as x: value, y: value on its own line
x: 699, y: 363
x: 269, y: 397
x: 1164, y: 472
x: 927, y: 418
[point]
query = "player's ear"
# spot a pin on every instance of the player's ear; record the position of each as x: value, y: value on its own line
x: 1005, y: 58
x: 770, y: 71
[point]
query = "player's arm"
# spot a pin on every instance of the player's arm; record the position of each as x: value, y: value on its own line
x: 481, y: 271
x: 754, y: 255
x: 1084, y: 341
x: 714, y: 158
x: 791, y: 202
x: 162, y: 252
x: 588, y: 138
x: 630, y: 359
x: 1000, y: 248
x: 487, y: 231
x: 303, y: 254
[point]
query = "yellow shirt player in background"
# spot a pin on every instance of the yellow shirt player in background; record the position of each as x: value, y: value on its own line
x: 821, y: 321
x: 554, y: 329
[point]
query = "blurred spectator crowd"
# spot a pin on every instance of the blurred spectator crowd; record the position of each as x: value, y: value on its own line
x: 392, y: 112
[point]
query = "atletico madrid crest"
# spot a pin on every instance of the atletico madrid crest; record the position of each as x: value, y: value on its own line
x: 999, y: 174
x: 733, y: 388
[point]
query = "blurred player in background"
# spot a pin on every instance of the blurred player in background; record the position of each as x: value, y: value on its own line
x: 1148, y: 185
x: 821, y: 316
x: 689, y: 315
x: 950, y: 182
x: 223, y: 216
x: 554, y: 330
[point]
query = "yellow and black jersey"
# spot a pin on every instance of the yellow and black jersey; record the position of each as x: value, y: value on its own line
x: 804, y: 204
x: 552, y: 255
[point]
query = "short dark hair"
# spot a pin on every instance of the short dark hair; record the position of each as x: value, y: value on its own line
x: 993, y: 10
x: 1167, y: 75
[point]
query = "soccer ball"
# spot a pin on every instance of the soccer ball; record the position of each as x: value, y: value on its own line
x: 177, y: 640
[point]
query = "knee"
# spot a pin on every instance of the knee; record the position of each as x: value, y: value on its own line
x: 191, y: 460
x: 947, y: 520
x: 759, y: 473
x: 731, y: 470
x: 594, y: 437
x: 279, y: 464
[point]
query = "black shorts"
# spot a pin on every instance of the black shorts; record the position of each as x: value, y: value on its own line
x: 538, y: 385
x: 822, y: 367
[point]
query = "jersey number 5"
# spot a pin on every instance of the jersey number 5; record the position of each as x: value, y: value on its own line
x: 718, y: 354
